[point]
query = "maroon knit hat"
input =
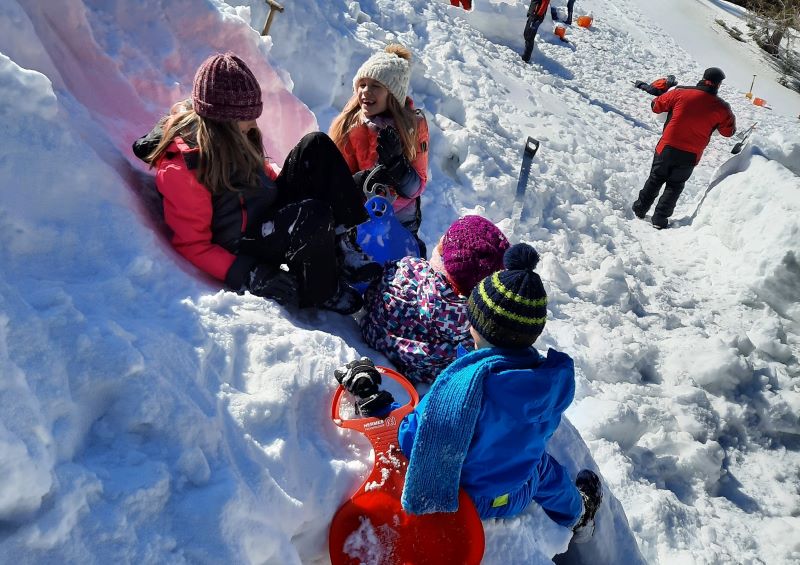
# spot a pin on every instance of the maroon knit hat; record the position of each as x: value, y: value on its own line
x: 472, y: 249
x: 225, y: 89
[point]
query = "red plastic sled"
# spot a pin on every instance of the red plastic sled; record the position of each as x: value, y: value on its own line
x: 372, y: 528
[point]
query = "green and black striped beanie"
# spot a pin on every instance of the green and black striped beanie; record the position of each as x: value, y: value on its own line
x: 509, y: 308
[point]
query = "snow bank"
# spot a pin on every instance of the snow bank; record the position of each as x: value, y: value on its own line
x: 146, y: 416
x: 767, y: 252
x: 138, y: 59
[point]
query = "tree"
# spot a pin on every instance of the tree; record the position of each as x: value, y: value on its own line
x: 775, y: 22
x: 774, y: 19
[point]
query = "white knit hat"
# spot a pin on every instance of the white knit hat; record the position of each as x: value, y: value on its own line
x: 390, y: 68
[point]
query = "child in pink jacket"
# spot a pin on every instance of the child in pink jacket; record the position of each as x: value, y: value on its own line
x: 416, y: 314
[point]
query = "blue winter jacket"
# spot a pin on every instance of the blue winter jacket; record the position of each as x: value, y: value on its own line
x: 519, y: 412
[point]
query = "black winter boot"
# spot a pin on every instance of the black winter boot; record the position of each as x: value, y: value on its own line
x: 346, y: 300
x: 357, y: 266
x: 526, y: 55
x: 588, y: 484
x: 660, y: 222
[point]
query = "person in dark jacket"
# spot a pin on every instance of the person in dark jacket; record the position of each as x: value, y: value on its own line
x: 536, y: 13
x: 485, y: 423
x: 658, y: 86
x: 694, y: 113
x: 282, y: 234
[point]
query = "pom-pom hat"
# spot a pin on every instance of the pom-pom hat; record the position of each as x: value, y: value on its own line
x: 472, y: 248
x: 509, y: 308
x: 226, y: 89
x: 391, y: 68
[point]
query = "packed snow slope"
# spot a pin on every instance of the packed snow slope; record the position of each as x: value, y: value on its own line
x: 693, y: 25
x: 148, y: 417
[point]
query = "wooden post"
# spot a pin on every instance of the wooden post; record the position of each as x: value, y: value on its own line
x: 273, y: 7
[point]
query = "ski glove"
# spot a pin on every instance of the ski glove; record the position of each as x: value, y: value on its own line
x: 270, y: 282
x: 390, y: 146
x: 359, y: 178
x: 377, y: 405
x: 359, y: 377
x: 390, y: 155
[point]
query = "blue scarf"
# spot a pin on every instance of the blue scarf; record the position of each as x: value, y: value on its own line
x: 447, y: 424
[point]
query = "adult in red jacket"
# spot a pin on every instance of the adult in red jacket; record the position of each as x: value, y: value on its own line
x: 240, y: 218
x: 693, y: 115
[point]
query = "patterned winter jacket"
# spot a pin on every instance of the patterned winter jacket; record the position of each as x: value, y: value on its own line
x: 416, y: 318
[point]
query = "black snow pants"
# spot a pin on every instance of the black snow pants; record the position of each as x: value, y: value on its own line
x: 673, y: 167
x: 316, y: 193
x: 536, y: 13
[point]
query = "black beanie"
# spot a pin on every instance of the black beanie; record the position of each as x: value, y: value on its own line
x: 714, y: 75
x: 509, y: 308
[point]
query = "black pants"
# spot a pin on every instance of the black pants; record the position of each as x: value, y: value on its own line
x: 673, y: 167
x: 316, y: 193
x: 301, y: 235
x: 536, y: 13
x: 412, y: 222
x: 316, y: 170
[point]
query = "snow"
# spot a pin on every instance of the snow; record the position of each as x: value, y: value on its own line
x: 147, y: 416
x: 691, y: 23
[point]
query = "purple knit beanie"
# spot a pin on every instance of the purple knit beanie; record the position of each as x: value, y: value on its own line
x: 225, y: 89
x: 472, y: 249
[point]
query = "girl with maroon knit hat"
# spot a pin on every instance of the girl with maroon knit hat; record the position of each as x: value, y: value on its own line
x: 416, y: 314
x: 239, y: 217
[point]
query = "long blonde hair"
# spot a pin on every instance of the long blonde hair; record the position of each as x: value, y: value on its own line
x: 225, y: 152
x: 405, y: 119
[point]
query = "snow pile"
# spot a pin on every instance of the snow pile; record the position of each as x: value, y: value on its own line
x: 763, y: 252
x: 126, y: 64
x: 146, y: 416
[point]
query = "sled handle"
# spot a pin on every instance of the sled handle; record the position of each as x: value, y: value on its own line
x: 378, y: 207
x: 363, y: 425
